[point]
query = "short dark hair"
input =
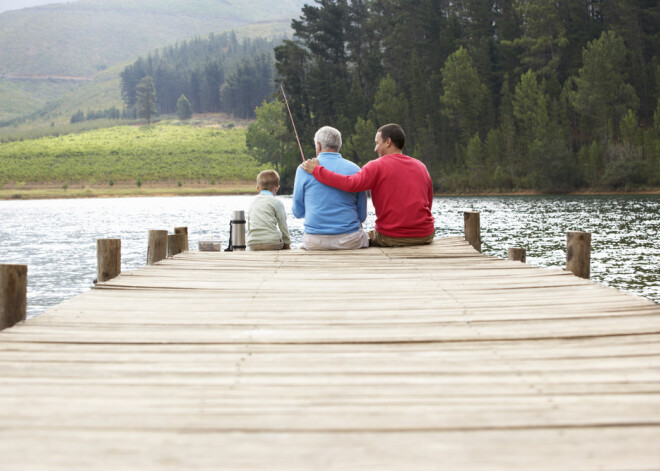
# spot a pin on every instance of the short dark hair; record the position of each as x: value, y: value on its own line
x: 394, y: 132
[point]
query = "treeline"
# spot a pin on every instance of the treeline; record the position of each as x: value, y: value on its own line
x: 494, y: 95
x: 108, y: 113
x: 216, y: 73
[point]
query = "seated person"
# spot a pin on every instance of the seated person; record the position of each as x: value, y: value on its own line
x: 401, y: 190
x: 266, y: 214
x: 333, y: 218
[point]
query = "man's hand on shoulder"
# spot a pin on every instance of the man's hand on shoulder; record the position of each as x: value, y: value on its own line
x: 309, y: 164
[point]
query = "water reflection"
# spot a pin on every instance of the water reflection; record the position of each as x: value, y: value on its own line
x: 57, y: 238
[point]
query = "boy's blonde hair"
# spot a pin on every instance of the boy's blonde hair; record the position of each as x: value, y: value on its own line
x: 268, y: 180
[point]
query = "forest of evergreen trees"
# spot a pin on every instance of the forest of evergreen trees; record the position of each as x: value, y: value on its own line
x: 493, y: 95
x: 216, y: 73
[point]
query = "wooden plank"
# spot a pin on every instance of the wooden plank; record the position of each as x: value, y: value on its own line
x: 407, y: 358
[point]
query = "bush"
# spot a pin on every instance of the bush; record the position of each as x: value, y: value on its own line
x: 183, y: 108
x: 555, y: 171
x: 625, y: 167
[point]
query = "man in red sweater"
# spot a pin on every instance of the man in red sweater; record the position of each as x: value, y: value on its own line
x: 401, y: 191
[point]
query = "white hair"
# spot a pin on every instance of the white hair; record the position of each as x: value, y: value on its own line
x: 330, y: 138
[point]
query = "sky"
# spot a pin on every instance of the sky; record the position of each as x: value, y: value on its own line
x: 6, y: 5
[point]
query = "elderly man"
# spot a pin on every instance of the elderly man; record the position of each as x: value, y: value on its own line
x: 401, y: 191
x: 333, y: 218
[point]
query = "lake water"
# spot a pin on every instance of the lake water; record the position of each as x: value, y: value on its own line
x: 57, y: 238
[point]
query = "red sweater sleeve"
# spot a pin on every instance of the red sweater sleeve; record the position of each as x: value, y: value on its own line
x: 361, y: 181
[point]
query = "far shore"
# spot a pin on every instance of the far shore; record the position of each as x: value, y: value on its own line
x: 35, y: 191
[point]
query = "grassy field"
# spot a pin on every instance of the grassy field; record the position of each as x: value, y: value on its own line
x: 164, y: 158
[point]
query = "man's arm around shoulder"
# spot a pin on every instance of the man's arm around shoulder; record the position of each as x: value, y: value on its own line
x: 360, y: 181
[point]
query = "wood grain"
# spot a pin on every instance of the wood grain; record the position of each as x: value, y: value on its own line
x: 433, y: 357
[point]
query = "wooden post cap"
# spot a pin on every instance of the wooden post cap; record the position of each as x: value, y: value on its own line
x: 473, y: 229
x: 578, y: 253
x: 13, y: 294
x: 517, y: 254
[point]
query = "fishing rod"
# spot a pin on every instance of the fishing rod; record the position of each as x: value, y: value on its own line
x: 292, y: 123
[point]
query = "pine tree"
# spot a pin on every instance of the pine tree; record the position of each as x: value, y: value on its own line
x: 465, y: 97
x: 146, y: 99
x: 603, y: 94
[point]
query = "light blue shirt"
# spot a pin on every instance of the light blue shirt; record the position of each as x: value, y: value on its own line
x: 327, y: 210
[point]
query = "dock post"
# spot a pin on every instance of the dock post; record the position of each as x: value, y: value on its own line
x: 108, y: 259
x: 183, y: 230
x: 517, y: 254
x: 578, y: 253
x: 473, y: 229
x: 157, y: 249
x: 13, y: 294
x: 176, y: 243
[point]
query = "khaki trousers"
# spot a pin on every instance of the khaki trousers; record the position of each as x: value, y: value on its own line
x: 355, y: 240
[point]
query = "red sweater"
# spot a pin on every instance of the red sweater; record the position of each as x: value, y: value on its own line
x: 401, y: 191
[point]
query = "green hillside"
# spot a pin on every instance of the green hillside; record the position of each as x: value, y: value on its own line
x: 52, y: 50
x: 161, y: 153
x: 61, y: 100
x: 79, y: 39
x: 16, y: 101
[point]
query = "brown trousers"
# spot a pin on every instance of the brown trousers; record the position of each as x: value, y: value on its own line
x: 377, y: 239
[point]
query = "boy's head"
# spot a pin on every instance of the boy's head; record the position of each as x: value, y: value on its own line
x: 268, y: 180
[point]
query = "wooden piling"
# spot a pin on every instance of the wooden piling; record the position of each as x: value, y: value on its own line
x: 578, y: 253
x: 183, y: 230
x: 13, y: 294
x: 473, y: 229
x: 517, y: 254
x: 108, y: 259
x: 157, y: 249
x: 176, y: 243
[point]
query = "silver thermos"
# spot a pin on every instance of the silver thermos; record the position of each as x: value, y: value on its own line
x: 237, y: 232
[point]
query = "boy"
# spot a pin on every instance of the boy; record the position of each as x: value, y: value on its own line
x: 265, y: 214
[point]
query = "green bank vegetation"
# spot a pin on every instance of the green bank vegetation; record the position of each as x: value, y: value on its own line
x: 511, y: 95
x: 170, y: 154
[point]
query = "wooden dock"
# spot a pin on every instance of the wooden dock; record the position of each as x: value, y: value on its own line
x: 431, y: 357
